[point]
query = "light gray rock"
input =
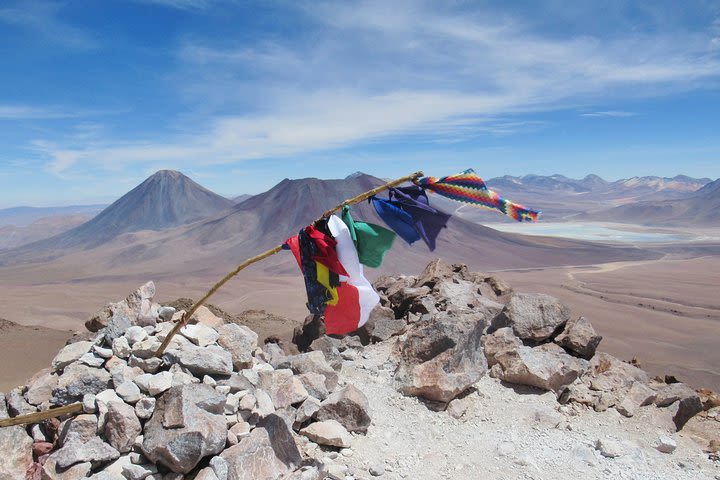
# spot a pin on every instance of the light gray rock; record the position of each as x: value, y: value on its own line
x: 165, y: 314
x: 609, y: 448
x: 16, y: 448
x: 443, y: 357
x: 211, y: 360
x: 76, y: 451
x: 102, y: 352
x: 240, y: 341
x: 17, y: 405
x: 118, y: 325
x: 306, y: 411
x: 92, y: 360
x: 129, y: 392
x: 580, y: 337
x: 315, y: 384
x: 377, y: 470
x: 328, y: 432
x: 539, y: 368
x: 533, y: 316
x: 78, y: 380
x: 50, y: 471
x: 121, y: 426
x: 154, y: 384
x: 69, y: 354
x: 314, y: 362
x: 263, y: 403
x: 382, y: 324
x: 187, y: 425
x: 145, y: 407
x: 283, y: 387
x: 268, y: 452
x: 347, y: 405
x: 124, y: 373
x: 206, y: 473
x: 85, y: 427
x: 121, y: 347
x: 638, y: 396
x: 135, y: 334
x: 146, y: 349
x: 200, y: 334
x: 41, y: 386
x: 138, y: 472
x: 220, y: 466
x: 665, y: 444
x: 148, y: 365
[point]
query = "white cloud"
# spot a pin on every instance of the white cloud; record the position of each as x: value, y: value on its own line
x: 609, y: 113
x: 372, y: 70
x: 180, y: 4
x: 42, y: 18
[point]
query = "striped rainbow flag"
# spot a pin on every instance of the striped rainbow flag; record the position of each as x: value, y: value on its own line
x: 468, y: 188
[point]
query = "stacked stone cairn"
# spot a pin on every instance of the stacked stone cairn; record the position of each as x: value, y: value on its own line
x: 218, y: 406
x: 215, y: 406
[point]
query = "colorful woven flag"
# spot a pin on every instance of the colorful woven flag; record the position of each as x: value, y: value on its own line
x: 468, y: 187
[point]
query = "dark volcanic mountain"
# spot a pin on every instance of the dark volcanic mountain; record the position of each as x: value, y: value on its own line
x: 702, y: 208
x: 164, y: 200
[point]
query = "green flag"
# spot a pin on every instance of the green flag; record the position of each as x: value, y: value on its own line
x: 371, y: 241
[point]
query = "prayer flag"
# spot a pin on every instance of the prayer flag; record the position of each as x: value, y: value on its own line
x: 356, y: 296
x: 468, y: 187
x: 372, y: 241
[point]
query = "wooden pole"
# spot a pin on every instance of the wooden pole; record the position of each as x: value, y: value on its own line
x: 40, y: 416
x: 273, y: 251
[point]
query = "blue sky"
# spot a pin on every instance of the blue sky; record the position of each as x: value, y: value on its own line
x: 95, y: 96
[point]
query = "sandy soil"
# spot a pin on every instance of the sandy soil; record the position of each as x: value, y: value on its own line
x: 26, y: 350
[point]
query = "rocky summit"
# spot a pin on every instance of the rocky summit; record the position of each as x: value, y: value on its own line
x: 456, y: 375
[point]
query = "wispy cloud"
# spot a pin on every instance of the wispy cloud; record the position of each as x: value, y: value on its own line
x: 609, y: 113
x: 180, y: 4
x: 43, y: 18
x: 373, y: 70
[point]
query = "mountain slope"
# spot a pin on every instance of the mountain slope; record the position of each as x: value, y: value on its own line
x: 164, y: 200
x: 702, y: 208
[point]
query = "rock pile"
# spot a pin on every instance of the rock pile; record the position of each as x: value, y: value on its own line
x: 452, y: 325
x: 215, y: 406
x: 219, y: 406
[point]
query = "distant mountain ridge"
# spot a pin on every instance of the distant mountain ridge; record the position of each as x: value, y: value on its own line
x: 700, y: 208
x: 164, y: 200
x: 24, y: 216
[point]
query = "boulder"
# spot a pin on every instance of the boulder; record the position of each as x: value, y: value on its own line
x: 187, y: 425
x: 69, y: 354
x: 17, y: 405
x: 145, y: 407
x: 283, y: 387
x: 328, y: 432
x: 240, y: 341
x: 135, y: 334
x: 306, y: 411
x: 121, y: 426
x: 684, y: 409
x: 349, y: 406
x: 533, y: 316
x: 638, y: 396
x: 269, y: 452
x: 85, y: 427
x: 50, y: 470
x: 443, y: 357
x: 16, y: 448
x: 204, y: 316
x: 211, y: 360
x: 500, y: 341
x: 608, y: 374
x: 579, y: 337
x: 78, y: 380
x: 41, y: 386
x: 314, y: 362
x: 539, y: 368
x: 154, y: 384
x: 382, y: 324
x: 315, y: 384
x: 200, y: 334
x: 75, y: 451
x: 435, y: 272
x: 129, y: 392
